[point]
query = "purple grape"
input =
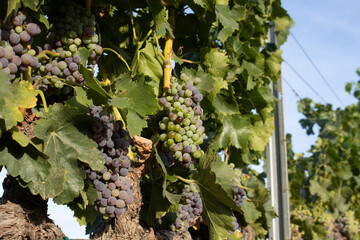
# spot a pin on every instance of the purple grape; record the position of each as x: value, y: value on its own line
x: 111, y: 201
x: 25, y: 37
x: 33, y: 29
x: 26, y: 59
x: 14, y: 38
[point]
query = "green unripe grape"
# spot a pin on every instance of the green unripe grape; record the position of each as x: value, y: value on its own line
x: 86, y: 40
x: 72, y: 34
x: 162, y: 126
x: 193, y: 148
x: 106, y: 216
x: 171, y: 126
x: 185, y: 143
x: 68, y: 54
x: 193, y: 188
x: 91, y: 46
x: 73, y: 48
x: 184, y: 77
x: 181, y: 100
x: 197, y: 80
x: 185, y: 138
x: 42, y: 68
x: 102, y: 210
x: 178, y: 155
x: 177, y: 128
x: 195, y: 137
x: 186, y: 122
x: 98, y: 50
x: 163, y: 137
x: 197, y: 154
x: 170, y: 142
x: 62, y: 65
x: 171, y: 134
x: 46, y: 81
x: 167, y: 105
x: 18, y: 29
x: 178, y: 109
x: 176, y: 104
x: 187, y: 128
x: 31, y: 52
x: 115, y: 193
x: 179, y: 87
x: 200, y: 141
x: 120, y: 203
x: 178, y: 138
x: 58, y: 85
x: 188, y: 93
x: 174, y: 91
x: 182, y: 131
x: 181, y: 114
x: 64, y: 39
x: 169, y: 98
x: 165, y: 120
x: 192, y: 127
x: 193, y: 120
x: 231, y: 165
x: 95, y: 38
x: 187, y: 115
x: 189, y: 133
x: 77, y: 41
x: 106, y: 176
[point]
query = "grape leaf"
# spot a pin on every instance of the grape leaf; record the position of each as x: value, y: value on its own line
x: 83, y: 206
x: 159, y: 13
x: 151, y: 66
x: 144, y: 102
x: 250, y: 212
x: 63, y: 130
x: 92, y: 82
x: 28, y: 163
x: 12, y: 7
x: 215, y: 181
x: 84, y: 55
x: 236, y: 129
x: 33, y: 4
x: 216, y: 63
x: 261, y: 133
x: 80, y: 100
x: 135, y: 123
x: 225, y: 102
x: 12, y: 97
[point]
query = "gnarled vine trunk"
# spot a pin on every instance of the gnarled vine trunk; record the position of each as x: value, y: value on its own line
x: 23, y: 215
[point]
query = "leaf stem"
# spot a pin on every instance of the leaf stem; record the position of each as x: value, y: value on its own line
x: 118, y: 55
x: 189, y: 61
x: 43, y: 100
x: 133, y: 26
x: 137, y: 53
x: 186, y: 180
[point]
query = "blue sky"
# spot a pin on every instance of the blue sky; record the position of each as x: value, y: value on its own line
x: 329, y: 31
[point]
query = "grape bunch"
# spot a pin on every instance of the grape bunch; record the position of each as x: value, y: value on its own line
x: 15, y: 36
x: 296, y: 232
x: 189, y: 210
x: 72, y: 27
x: 114, y: 189
x: 182, y: 127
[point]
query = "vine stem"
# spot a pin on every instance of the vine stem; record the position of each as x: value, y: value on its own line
x: 88, y: 4
x: 186, y: 180
x: 118, y: 55
x: 135, y: 59
x: 168, y: 51
x: 43, y: 100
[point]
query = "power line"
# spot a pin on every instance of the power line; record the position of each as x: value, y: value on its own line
x: 292, y: 89
x: 307, y: 84
x: 316, y: 68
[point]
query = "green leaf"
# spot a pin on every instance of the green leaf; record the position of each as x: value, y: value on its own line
x: 253, y: 73
x: 83, y: 207
x: 165, y: 28
x: 93, y: 83
x: 261, y: 134
x: 216, y: 63
x: 236, y: 129
x: 225, y: 102
x: 151, y: 66
x: 84, y: 55
x: 144, y: 102
x: 12, y: 8
x: 135, y: 123
x: 215, y: 181
x: 250, y: 212
x: 28, y: 163
x: 80, y: 100
x: 33, y: 4
x: 316, y: 188
x: 64, y: 132
x: 273, y: 64
x: 12, y: 97
x: 159, y: 13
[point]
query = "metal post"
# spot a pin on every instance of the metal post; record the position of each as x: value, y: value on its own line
x: 276, y: 167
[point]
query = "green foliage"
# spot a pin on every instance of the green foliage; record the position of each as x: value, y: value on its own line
x: 327, y: 180
x: 221, y: 42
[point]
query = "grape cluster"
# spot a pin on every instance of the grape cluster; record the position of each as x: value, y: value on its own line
x: 72, y: 27
x: 114, y: 189
x: 296, y: 232
x: 15, y: 36
x: 189, y: 210
x: 182, y: 127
